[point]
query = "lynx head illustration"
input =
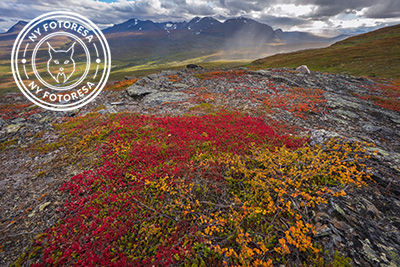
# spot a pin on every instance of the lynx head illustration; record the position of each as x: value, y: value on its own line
x: 61, y: 65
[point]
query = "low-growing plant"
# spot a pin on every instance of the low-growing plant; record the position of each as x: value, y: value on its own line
x: 119, y: 85
x: 215, y: 190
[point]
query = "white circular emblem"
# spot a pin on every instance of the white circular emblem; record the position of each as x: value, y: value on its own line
x: 61, y: 61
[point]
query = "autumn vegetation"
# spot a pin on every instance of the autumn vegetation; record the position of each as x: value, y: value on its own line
x: 215, y: 190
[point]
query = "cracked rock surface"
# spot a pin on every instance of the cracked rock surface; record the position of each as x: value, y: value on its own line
x: 363, y: 225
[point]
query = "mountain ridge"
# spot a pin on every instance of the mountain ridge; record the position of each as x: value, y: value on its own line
x: 374, y: 53
x: 210, y: 25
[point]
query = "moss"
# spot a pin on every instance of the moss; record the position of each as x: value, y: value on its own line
x: 395, y: 257
x: 38, y: 135
x: 340, y: 261
x: 99, y: 108
x: 7, y: 144
x: 46, y: 148
x: 41, y: 174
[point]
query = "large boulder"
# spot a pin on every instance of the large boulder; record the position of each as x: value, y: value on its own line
x: 138, y: 92
x: 303, y: 69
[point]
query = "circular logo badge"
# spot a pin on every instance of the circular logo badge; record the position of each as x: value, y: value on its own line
x: 61, y: 61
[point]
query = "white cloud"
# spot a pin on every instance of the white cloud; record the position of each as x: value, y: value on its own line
x: 290, y: 10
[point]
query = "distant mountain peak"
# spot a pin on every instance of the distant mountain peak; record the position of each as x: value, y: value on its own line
x: 208, y: 18
x: 17, y: 27
x: 133, y: 25
x: 195, y: 19
x: 241, y: 19
x: 198, y: 25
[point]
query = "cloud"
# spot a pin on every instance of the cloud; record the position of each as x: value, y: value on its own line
x: 327, y: 8
x: 384, y: 9
x: 285, y: 14
x: 283, y: 22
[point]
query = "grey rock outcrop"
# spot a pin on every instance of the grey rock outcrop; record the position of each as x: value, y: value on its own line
x: 303, y: 69
x: 137, y: 92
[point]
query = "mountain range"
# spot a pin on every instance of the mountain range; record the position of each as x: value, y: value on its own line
x: 144, y: 45
x: 204, y: 26
x: 238, y: 38
x: 208, y: 26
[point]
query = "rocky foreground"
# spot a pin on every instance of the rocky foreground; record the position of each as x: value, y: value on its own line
x: 363, y: 225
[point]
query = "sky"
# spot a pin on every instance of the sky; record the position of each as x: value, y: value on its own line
x: 322, y: 17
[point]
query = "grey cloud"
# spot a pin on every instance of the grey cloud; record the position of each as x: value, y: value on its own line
x: 328, y: 8
x: 385, y: 9
x: 245, y: 6
x: 282, y: 22
x: 105, y: 14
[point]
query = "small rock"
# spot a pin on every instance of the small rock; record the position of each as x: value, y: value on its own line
x: 371, y: 128
x: 370, y: 209
x: 303, y: 69
x: 337, y: 241
x: 43, y: 206
x: 107, y: 110
x: 338, y: 120
x: 155, y: 76
x: 340, y: 225
x: 322, y: 217
x: 13, y: 128
x: 18, y: 120
x: 193, y: 66
x: 180, y: 85
x: 397, y: 121
x: 144, y: 80
x: 46, y: 119
x: 320, y: 136
x: 265, y: 73
x: 67, y: 113
x: 117, y: 103
x: 322, y: 230
x: 346, y: 114
x: 338, y: 209
x: 32, y: 214
x: 281, y: 79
